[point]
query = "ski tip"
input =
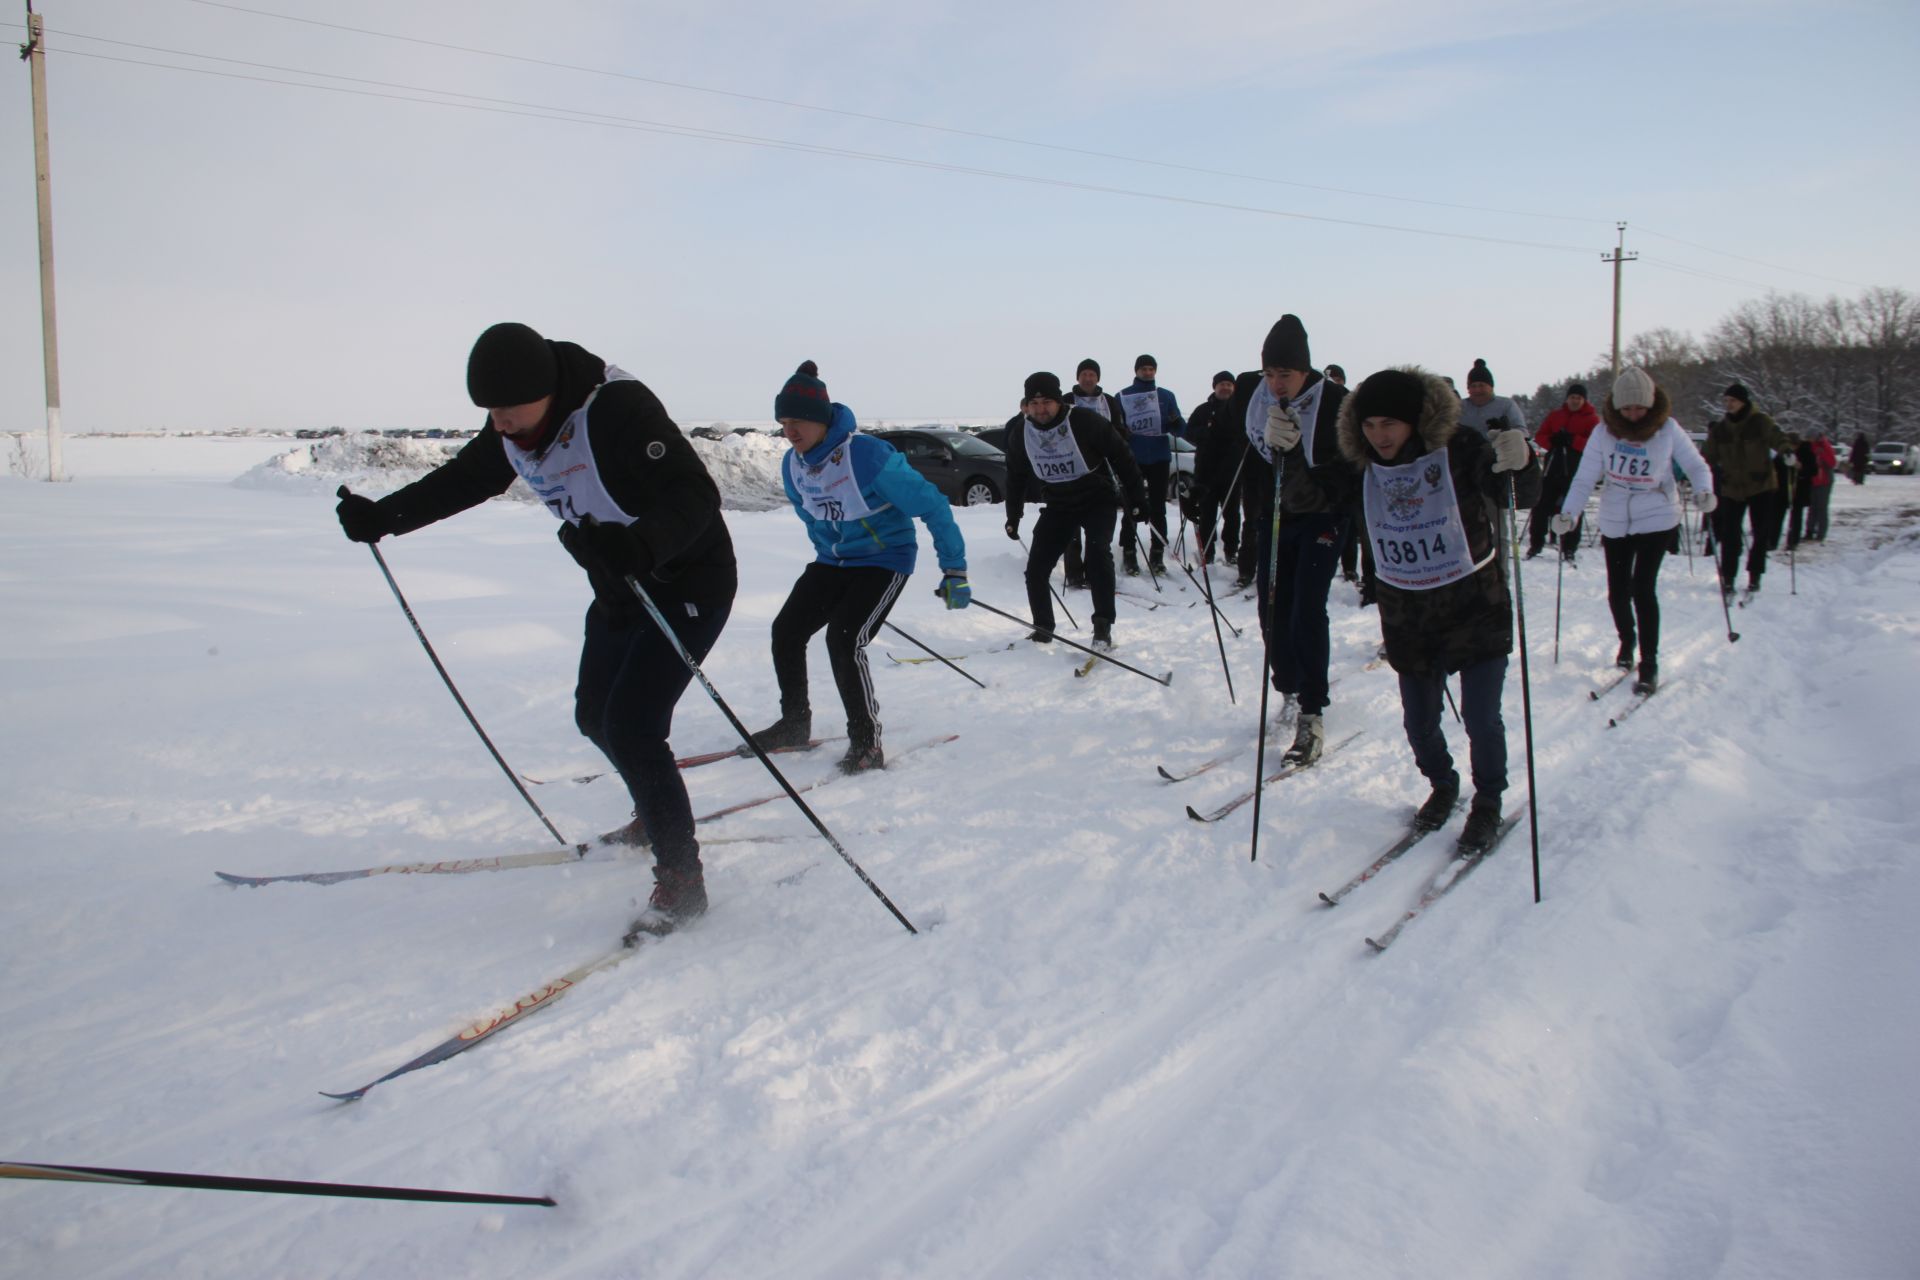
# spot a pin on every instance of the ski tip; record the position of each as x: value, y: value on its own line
x: 1195, y: 814
x: 1331, y: 902
x: 251, y: 882
x: 1162, y: 770
x: 352, y: 1096
x: 1377, y: 947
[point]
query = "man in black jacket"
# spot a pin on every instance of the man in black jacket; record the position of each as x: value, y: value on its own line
x: 634, y: 499
x: 1068, y: 459
x: 1289, y: 411
x: 1213, y: 418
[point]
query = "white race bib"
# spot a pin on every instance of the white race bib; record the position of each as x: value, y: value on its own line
x: 1413, y: 521
x: 1143, y: 412
x: 1054, y: 454
x: 829, y: 491
x: 1097, y: 403
x: 1631, y: 465
x: 563, y: 474
x: 1306, y: 408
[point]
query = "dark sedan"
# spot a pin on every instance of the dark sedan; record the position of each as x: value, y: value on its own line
x: 968, y: 470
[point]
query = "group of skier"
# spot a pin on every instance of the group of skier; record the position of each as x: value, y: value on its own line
x: 1400, y: 464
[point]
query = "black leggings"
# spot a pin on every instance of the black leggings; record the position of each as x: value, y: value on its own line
x: 850, y: 602
x: 1633, y: 565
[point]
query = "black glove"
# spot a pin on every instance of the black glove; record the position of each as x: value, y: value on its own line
x: 1137, y: 513
x: 1499, y: 424
x: 1198, y: 496
x: 1013, y: 530
x: 605, y: 548
x: 362, y: 518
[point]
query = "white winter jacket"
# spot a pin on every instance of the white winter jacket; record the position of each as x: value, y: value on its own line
x: 1640, y: 489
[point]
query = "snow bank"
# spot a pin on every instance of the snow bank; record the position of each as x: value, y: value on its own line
x: 746, y: 467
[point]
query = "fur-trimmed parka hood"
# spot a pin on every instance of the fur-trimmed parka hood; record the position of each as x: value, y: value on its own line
x: 1642, y: 431
x: 1439, y: 419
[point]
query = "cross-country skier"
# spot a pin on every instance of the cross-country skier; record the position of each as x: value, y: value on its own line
x: 592, y: 440
x: 858, y: 499
x: 1432, y: 493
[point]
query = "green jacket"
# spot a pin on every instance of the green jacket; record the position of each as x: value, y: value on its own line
x: 1739, y: 448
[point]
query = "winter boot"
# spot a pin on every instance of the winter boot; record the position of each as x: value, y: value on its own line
x: 1157, y: 563
x: 862, y: 756
x: 1649, y: 677
x: 792, y: 729
x: 1624, y: 658
x: 1041, y: 635
x: 1439, y: 806
x: 1076, y: 582
x: 1102, y: 634
x: 679, y: 895
x: 1726, y: 590
x: 1309, y: 738
x: 1130, y: 562
x: 633, y: 835
x: 1483, y: 824
x: 1753, y: 584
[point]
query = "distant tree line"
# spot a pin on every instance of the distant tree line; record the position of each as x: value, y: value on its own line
x: 1842, y: 366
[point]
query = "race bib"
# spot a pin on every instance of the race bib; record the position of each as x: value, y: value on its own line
x: 1096, y: 403
x: 1143, y: 412
x: 1054, y: 455
x: 1413, y: 520
x: 1630, y: 464
x: 1306, y: 408
x: 829, y: 491
x: 563, y: 475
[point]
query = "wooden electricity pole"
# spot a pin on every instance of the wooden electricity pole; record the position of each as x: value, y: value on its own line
x: 34, y: 53
x: 1618, y: 256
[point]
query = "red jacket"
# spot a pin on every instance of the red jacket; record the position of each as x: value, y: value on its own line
x: 1578, y: 425
x: 1824, y: 455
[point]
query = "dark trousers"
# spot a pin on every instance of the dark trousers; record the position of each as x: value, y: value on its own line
x: 1553, y: 492
x: 1155, y: 475
x: 851, y: 603
x: 1422, y: 701
x: 1219, y: 516
x: 1728, y: 518
x: 1633, y: 567
x: 1293, y: 614
x: 1053, y: 532
x: 630, y: 679
x: 1818, y: 499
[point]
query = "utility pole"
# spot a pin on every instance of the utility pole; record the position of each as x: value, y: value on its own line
x: 1618, y: 256
x: 34, y: 54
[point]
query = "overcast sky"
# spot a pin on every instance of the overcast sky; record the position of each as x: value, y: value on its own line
x: 234, y: 252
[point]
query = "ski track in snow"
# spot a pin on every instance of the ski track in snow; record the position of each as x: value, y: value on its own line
x: 1117, y: 1048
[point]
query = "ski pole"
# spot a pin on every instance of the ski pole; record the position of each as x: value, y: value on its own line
x: 942, y: 659
x: 1267, y: 624
x: 1206, y: 591
x: 1686, y: 526
x: 660, y: 621
x: 221, y: 1182
x: 1526, y: 685
x: 1725, y: 610
x: 1559, y: 575
x: 1138, y: 550
x: 405, y: 608
x: 1793, y: 531
x: 1206, y: 586
x: 978, y: 603
x: 1451, y: 705
x: 1057, y: 597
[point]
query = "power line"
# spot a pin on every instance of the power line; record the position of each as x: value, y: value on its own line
x: 1701, y: 273
x: 891, y: 120
x: 1755, y: 261
x: 570, y: 115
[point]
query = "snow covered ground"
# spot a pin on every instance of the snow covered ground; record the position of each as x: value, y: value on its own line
x: 1117, y: 1048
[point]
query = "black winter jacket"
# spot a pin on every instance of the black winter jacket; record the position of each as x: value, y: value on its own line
x: 1463, y: 623
x: 1100, y: 443
x: 680, y: 546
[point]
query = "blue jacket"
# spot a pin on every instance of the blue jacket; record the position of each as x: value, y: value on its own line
x: 898, y: 493
x: 1148, y: 449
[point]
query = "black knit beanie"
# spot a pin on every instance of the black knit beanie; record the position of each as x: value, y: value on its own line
x: 1390, y: 393
x: 1043, y: 384
x: 1335, y: 373
x: 1225, y: 375
x: 1140, y: 360
x: 1739, y: 392
x: 1084, y: 365
x: 511, y: 365
x: 1576, y: 389
x: 1479, y: 373
x: 805, y: 397
x: 1286, y: 346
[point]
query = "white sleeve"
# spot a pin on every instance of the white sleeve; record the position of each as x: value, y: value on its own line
x: 1588, y: 473
x: 1699, y: 474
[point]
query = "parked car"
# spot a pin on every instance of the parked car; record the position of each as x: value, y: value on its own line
x: 1892, y: 458
x: 964, y: 467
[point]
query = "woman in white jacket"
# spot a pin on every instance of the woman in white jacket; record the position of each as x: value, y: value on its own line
x: 1635, y: 449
